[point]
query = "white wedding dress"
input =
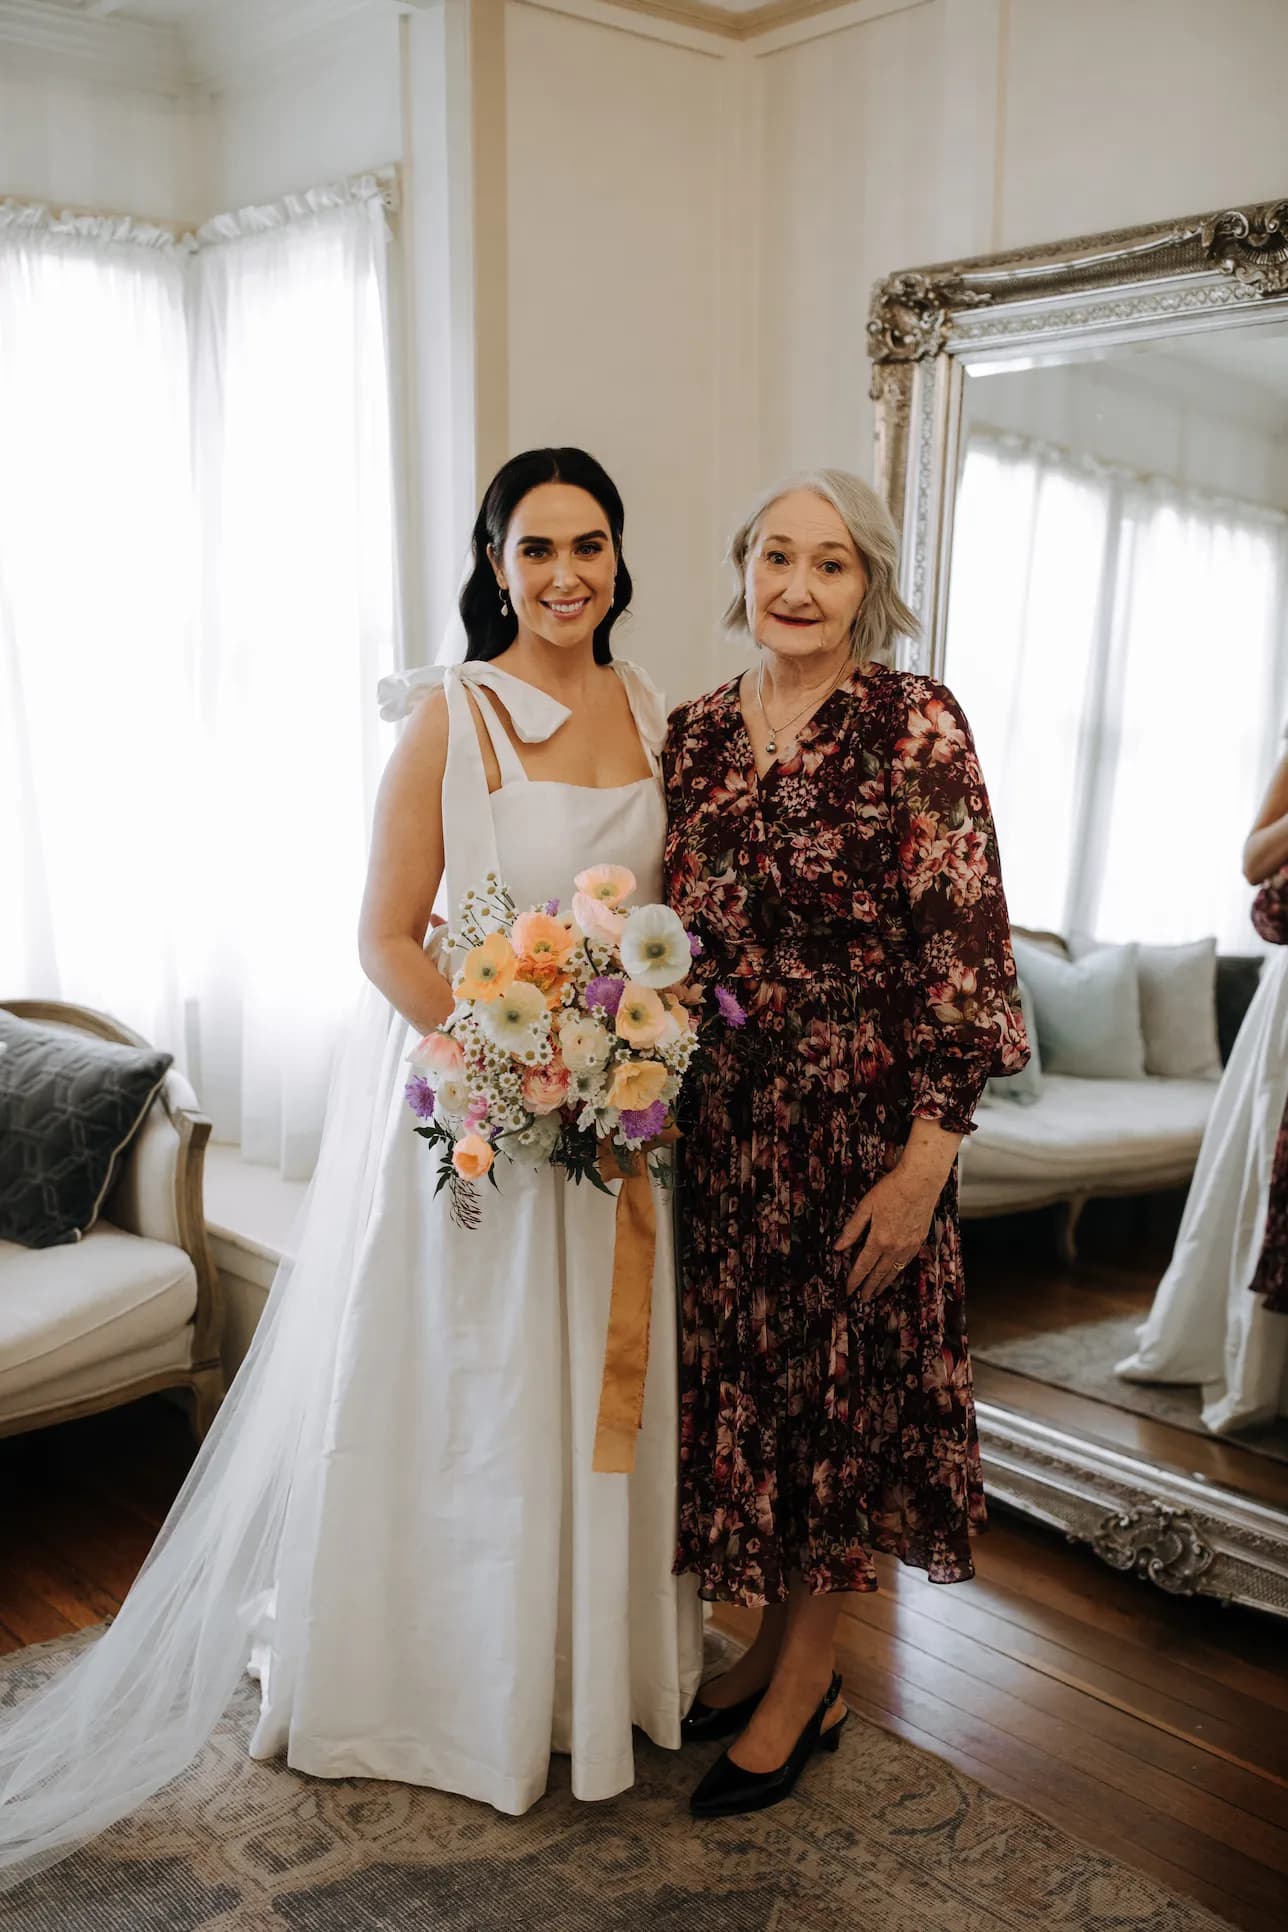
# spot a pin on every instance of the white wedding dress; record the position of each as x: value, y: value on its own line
x: 1205, y: 1326
x: 394, y: 1522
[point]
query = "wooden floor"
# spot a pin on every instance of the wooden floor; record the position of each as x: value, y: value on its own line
x: 1018, y: 1286
x: 1154, y: 1730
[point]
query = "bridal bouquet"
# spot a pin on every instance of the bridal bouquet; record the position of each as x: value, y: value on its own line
x: 572, y: 1031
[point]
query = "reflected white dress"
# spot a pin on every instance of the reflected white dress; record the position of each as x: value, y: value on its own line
x: 464, y: 1594
x: 1205, y: 1326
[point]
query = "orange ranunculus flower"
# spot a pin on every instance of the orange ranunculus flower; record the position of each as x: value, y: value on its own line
x: 637, y: 1084
x: 472, y: 1157
x: 641, y: 1016
x: 554, y: 992
x: 488, y: 971
x: 542, y: 941
x: 546, y: 1088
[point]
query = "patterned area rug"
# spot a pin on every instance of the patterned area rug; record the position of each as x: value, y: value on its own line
x: 880, y: 1838
x: 1082, y: 1359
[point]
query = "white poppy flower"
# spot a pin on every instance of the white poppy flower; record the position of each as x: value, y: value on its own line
x: 516, y: 1019
x: 655, y: 947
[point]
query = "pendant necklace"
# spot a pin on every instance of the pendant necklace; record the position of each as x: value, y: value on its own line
x: 815, y: 704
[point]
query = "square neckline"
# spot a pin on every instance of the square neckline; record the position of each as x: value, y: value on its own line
x: 506, y: 754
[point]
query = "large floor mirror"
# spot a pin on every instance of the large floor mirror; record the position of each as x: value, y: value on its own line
x: 1086, y: 446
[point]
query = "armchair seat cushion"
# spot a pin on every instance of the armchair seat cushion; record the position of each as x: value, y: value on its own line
x: 64, y: 1310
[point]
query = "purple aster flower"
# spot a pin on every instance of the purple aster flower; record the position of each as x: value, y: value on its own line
x: 644, y: 1122
x: 696, y: 947
x: 552, y: 908
x: 419, y: 1096
x: 605, y: 993
x: 730, y: 1012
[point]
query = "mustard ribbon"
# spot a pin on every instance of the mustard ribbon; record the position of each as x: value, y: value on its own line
x: 621, y: 1395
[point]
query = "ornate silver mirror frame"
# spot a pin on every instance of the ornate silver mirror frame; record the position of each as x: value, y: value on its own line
x: 929, y: 326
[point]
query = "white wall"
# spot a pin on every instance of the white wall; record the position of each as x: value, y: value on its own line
x: 1125, y: 111
x: 69, y: 135
x: 616, y: 300
x: 327, y: 109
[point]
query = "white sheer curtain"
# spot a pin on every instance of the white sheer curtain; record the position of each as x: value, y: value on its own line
x: 295, y: 488
x: 97, y: 799
x: 1120, y: 645
x: 197, y: 595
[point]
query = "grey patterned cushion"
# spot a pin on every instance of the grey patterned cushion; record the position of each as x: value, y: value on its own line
x: 69, y: 1103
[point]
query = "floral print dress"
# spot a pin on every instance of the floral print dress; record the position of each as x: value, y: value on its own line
x: 851, y: 900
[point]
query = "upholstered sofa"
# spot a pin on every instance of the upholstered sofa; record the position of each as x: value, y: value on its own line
x: 1081, y: 1138
x: 133, y: 1306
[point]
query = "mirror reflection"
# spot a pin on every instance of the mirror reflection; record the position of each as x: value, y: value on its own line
x: 1118, y: 634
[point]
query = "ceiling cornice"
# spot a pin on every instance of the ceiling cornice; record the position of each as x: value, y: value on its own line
x: 139, y: 53
x: 216, y: 44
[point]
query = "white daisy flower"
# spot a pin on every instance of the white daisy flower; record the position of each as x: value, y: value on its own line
x: 515, y: 1019
x: 654, y: 947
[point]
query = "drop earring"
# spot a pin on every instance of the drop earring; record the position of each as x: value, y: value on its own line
x: 505, y: 608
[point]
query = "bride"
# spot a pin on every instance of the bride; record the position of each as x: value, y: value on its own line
x: 394, y: 1522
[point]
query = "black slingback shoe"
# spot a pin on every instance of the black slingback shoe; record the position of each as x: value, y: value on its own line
x: 727, y: 1790
x: 705, y: 1723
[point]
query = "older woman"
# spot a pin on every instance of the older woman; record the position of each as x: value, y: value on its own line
x: 830, y: 844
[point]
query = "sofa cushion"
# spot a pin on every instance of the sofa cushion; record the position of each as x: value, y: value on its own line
x: 1088, y: 1010
x: 1178, y: 1018
x: 1083, y: 1136
x: 69, y: 1104
x: 64, y: 1308
x: 1178, y: 1010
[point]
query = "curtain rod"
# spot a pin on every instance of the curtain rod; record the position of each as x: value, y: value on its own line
x: 388, y: 177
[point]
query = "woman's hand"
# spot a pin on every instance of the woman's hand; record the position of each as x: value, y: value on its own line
x: 892, y: 1220
x: 894, y: 1216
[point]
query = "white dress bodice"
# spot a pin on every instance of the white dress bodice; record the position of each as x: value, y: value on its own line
x: 536, y: 834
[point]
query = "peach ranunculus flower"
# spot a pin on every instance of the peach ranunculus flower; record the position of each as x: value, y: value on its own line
x: 541, y: 941
x: 636, y: 1085
x: 488, y: 971
x: 641, y: 1016
x: 546, y: 1088
x: 437, y: 1053
x: 472, y: 1157
x: 608, y: 883
x: 597, y: 918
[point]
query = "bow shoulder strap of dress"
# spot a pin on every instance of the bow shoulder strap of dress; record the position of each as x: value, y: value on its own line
x: 469, y: 833
x: 648, y: 708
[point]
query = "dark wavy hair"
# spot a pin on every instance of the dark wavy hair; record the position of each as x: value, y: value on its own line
x: 487, y: 631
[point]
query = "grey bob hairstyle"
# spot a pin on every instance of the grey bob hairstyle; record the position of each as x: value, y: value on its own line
x: 883, y: 617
